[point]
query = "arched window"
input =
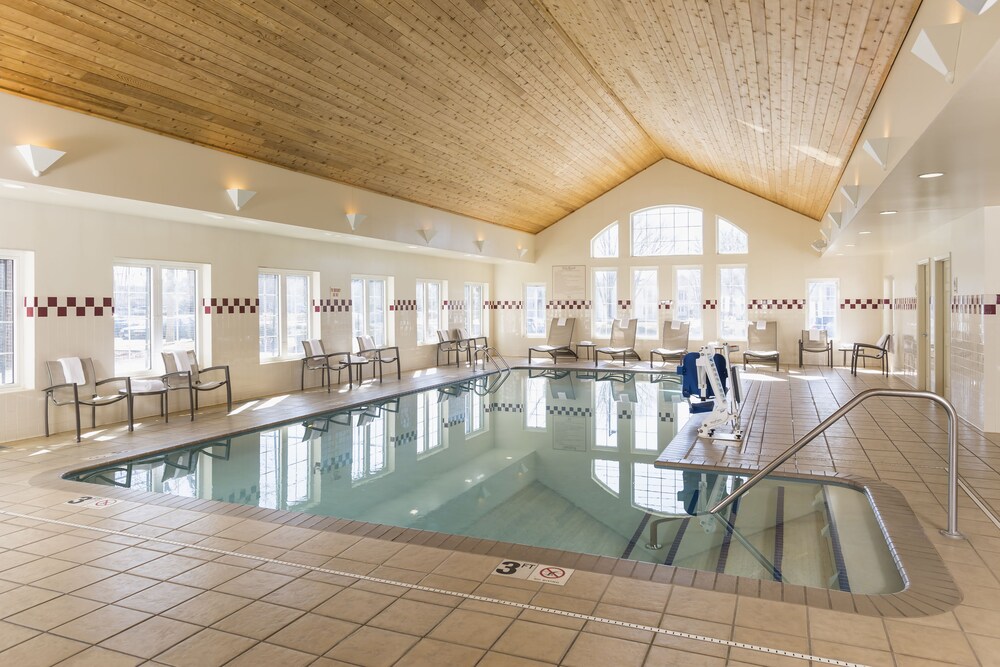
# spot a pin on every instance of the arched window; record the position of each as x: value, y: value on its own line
x: 731, y: 239
x: 605, y: 243
x: 666, y: 230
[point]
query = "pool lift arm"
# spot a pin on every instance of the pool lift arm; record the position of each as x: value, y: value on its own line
x: 726, y: 407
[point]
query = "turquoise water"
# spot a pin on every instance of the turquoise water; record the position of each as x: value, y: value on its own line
x: 560, y: 459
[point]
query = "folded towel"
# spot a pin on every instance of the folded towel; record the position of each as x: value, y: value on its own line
x: 762, y: 325
x: 813, y: 335
x: 562, y: 322
x: 675, y: 324
x: 72, y: 369
x: 182, y: 360
x: 316, y: 345
x: 139, y: 386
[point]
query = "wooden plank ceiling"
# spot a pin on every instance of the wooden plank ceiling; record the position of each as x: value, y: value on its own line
x: 516, y: 112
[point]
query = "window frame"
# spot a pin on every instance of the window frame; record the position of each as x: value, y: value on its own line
x: 600, y: 327
x: 718, y: 236
x: 639, y: 252
x: 654, y: 305
x: 284, y: 354
x: 22, y: 327
x: 697, y: 332
x: 430, y: 335
x: 831, y: 329
x: 384, y: 337
x: 484, y: 313
x: 611, y: 231
x: 154, y: 322
x: 741, y: 334
x: 544, y: 314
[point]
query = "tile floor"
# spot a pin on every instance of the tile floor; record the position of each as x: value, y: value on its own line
x: 145, y: 583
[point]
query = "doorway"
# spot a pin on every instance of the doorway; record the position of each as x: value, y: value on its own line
x: 940, y: 329
x: 923, y: 324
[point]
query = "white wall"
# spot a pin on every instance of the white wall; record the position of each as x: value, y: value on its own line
x: 74, y: 251
x: 779, y: 263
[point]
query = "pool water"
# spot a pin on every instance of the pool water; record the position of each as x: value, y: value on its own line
x: 553, y: 459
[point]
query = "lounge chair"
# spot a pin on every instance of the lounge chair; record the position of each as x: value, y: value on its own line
x: 622, y: 343
x: 72, y: 381
x: 448, y: 345
x: 816, y: 340
x: 674, y: 345
x: 559, y: 340
x: 865, y: 351
x: 379, y: 355
x: 178, y: 361
x: 762, y: 342
x: 468, y: 343
x: 317, y: 359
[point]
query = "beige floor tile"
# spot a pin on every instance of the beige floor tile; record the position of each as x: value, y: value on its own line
x: 372, y: 647
x: 313, y: 633
x: 71, y: 580
x: 834, y: 626
x: 328, y: 544
x: 467, y: 566
x: 96, y: 656
x: 627, y: 614
x: 207, y: 608
x: 419, y: 558
x: 695, y: 627
x: 269, y: 655
x: 38, y: 568
x: 157, y: 599
x: 590, y: 649
x: 286, y: 537
x: 303, y: 594
x: 41, y: 650
x: 987, y: 649
x: 11, y: 635
x: 493, y: 659
x: 354, y: 605
x: 535, y: 641
x: 258, y: 620
x: 702, y: 605
x: 414, y: 618
x: 209, y: 575
x: 23, y: 597
x: 100, y: 624
x: 166, y: 567
x: 254, y: 584
x: 638, y: 594
x: 115, y: 588
x: 55, y: 612
x: 208, y: 648
x: 587, y: 585
x: 847, y: 653
x: 52, y: 545
x: 663, y: 656
x: 471, y: 628
x: 433, y: 653
x: 929, y: 642
x: 126, y: 559
x: 979, y: 621
x: 371, y: 551
x: 768, y: 615
x: 151, y: 637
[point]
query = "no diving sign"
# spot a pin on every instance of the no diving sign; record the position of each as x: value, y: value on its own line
x: 92, y: 502
x: 547, y: 574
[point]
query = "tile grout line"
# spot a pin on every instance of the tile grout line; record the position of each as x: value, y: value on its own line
x: 466, y: 596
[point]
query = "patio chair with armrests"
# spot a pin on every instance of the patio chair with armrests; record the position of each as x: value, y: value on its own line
x: 865, y: 351
x: 469, y: 344
x: 762, y: 343
x: 379, y: 355
x: 72, y: 381
x: 674, y: 344
x: 448, y: 345
x: 317, y: 359
x: 816, y: 340
x: 178, y: 361
x: 558, y: 342
x: 622, y: 342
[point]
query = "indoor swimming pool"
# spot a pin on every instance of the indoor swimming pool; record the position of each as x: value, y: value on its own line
x: 556, y: 459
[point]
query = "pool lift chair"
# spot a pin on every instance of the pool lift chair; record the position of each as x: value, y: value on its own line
x: 704, y: 375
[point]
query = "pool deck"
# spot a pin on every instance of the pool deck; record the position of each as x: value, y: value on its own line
x: 192, y: 582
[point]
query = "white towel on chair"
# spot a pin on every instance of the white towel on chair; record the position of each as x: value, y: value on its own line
x: 675, y: 325
x: 316, y: 346
x: 762, y: 325
x: 813, y: 335
x: 72, y: 369
x: 182, y: 360
x: 562, y: 322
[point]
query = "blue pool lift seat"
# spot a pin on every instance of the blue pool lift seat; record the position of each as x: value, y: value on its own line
x: 688, y: 371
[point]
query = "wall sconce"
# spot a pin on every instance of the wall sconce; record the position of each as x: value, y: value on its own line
x: 836, y: 217
x: 938, y: 47
x: 38, y: 158
x: 355, y: 220
x: 240, y: 197
x: 480, y: 243
x: 852, y: 192
x: 977, y: 7
x: 427, y: 234
x: 878, y: 150
x: 521, y: 252
x: 819, y: 245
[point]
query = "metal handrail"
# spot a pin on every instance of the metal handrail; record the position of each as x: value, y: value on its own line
x: 952, y: 529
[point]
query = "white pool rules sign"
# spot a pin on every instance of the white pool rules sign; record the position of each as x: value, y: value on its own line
x: 547, y: 574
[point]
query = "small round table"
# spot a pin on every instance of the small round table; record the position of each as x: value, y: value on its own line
x: 586, y: 345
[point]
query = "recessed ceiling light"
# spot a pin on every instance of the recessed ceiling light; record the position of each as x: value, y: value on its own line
x: 412, y: 247
x: 840, y: 254
x: 888, y: 212
x: 931, y: 174
x: 863, y: 233
x: 13, y: 186
x: 848, y: 245
x: 214, y: 216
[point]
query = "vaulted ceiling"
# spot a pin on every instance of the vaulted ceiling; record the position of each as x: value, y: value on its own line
x: 516, y: 112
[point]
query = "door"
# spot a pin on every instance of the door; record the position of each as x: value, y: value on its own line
x: 923, y: 326
x: 941, y: 326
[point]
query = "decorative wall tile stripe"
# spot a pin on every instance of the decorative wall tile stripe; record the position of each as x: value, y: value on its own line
x: 225, y: 305
x: 403, y: 304
x: 505, y: 407
x: 624, y: 304
x: 331, y: 305
x: 505, y: 305
x: 975, y: 304
x: 342, y: 460
x: 568, y: 411
x: 861, y: 304
x: 454, y: 305
x: 453, y: 421
x: 710, y: 304
x: 403, y: 438
x: 68, y: 306
x: 665, y: 305
x: 574, y: 304
x: 666, y: 417
x: 776, y: 304
x: 905, y: 303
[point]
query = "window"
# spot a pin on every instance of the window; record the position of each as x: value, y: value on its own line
x: 666, y: 230
x: 369, y: 296
x: 476, y: 295
x: 475, y: 414
x: 284, y: 315
x: 429, y: 432
x: 285, y: 467
x: 370, y: 452
x: 687, y: 299
x: 605, y: 244
x: 430, y: 295
x: 731, y: 239
x: 534, y: 310
x: 156, y: 308
x: 645, y: 417
x: 821, y: 306
x: 733, y: 302
x: 605, y: 471
x: 605, y: 416
x: 9, y: 340
x: 605, y: 301
x: 645, y: 302
x: 535, y: 402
